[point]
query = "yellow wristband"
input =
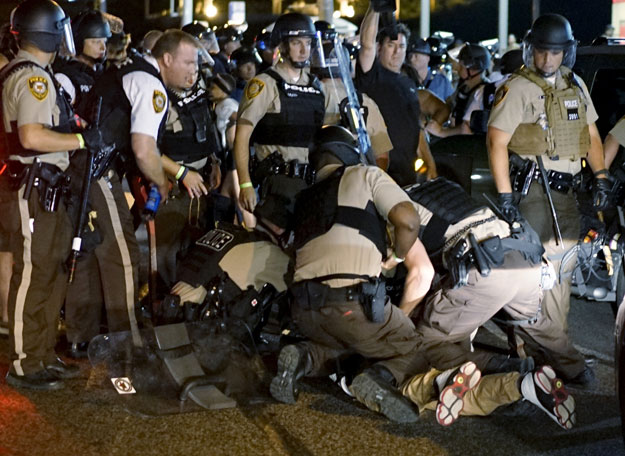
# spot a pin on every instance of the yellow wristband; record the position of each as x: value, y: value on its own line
x: 180, y: 172
x: 81, y: 141
x: 245, y: 185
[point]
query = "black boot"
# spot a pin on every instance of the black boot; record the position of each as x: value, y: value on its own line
x: 292, y: 365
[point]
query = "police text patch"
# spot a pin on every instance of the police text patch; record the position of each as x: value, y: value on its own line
x: 38, y: 87
x: 158, y: 101
x: 215, y: 239
x: 254, y: 87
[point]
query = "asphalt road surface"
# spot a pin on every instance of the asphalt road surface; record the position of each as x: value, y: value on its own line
x: 89, y: 418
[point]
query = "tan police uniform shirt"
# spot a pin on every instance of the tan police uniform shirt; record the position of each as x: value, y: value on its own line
x: 521, y: 101
x: 29, y: 97
x: 342, y: 249
x: 262, y: 96
x: 376, y: 128
x: 256, y: 263
x: 618, y: 131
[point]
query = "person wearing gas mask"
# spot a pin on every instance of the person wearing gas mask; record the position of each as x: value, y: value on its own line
x: 37, y: 128
x: 471, y: 94
x: 279, y: 114
x: 77, y: 75
x: 542, y: 123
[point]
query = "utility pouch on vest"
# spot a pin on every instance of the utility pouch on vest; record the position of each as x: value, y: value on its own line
x: 522, y: 174
x: 373, y: 299
x: 310, y: 294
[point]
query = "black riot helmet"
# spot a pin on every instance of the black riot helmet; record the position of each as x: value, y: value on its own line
x: 227, y: 33
x: 420, y: 46
x: 474, y: 57
x: 292, y: 25
x: 89, y: 24
x: 327, y: 30
x: 44, y: 24
x: 245, y: 55
x: 337, y: 141
x: 550, y: 32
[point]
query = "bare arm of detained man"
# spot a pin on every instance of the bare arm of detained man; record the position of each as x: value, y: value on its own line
x: 38, y: 137
x: 610, y: 149
x: 149, y: 161
x: 596, y: 160
x: 247, y: 197
x: 420, y: 273
x: 368, y: 33
x: 424, y: 153
x: 497, y: 143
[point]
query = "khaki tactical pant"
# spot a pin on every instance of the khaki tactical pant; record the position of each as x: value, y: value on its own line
x: 40, y: 243
x: 108, y: 274
x: 340, y: 328
x: 450, y: 316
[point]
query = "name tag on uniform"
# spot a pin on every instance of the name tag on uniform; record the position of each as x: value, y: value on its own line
x: 215, y: 239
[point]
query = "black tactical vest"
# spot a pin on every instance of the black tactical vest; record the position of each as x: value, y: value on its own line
x: 301, y: 114
x: 201, y: 264
x: 82, y: 76
x: 66, y: 114
x: 116, y: 109
x: 448, y: 203
x: 197, y: 139
x: 317, y: 210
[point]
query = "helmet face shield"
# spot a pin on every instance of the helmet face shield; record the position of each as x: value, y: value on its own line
x: 68, y: 37
x: 316, y: 50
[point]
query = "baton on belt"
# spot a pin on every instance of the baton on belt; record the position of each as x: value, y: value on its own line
x: 554, y: 216
x: 82, y: 213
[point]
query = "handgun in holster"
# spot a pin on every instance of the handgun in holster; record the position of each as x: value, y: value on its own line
x: 522, y: 174
x: 269, y: 166
x: 479, y: 258
x: 457, y: 264
x: 373, y: 299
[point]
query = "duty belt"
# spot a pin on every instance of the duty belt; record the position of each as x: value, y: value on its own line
x: 523, y: 172
x: 51, y: 182
x: 274, y: 164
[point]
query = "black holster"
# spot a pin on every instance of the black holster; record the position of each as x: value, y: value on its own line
x: 50, y: 181
x: 373, y: 299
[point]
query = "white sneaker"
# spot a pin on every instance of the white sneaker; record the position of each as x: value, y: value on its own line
x: 547, y: 392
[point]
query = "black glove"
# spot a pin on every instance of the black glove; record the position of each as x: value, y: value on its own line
x: 601, y: 190
x: 508, y: 207
x: 93, y: 139
x: 383, y: 6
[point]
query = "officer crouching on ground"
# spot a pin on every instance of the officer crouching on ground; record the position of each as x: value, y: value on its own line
x: 280, y: 112
x: 340, y: 302
x: 544, y: 114
x: 35, y: 140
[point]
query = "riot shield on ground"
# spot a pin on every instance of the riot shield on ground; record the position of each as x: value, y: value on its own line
x: 178, y: 368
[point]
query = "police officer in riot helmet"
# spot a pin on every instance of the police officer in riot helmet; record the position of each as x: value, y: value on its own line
x: 286, y: 130
x: 77, y: 75
x: 229, y: 39
x: 473, y: 62
x: 543, y: 123
x: 37, y: 128
x: 245, y: 62
x: 208, y: 40
x: 418, y: 59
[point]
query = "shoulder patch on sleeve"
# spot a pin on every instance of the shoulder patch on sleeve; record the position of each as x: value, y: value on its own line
x: 254, y: 87
x: 38, y: 86
x: 501, y: 94
x: 158, y: 101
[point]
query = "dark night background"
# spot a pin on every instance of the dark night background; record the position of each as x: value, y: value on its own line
x: 470, y: 20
